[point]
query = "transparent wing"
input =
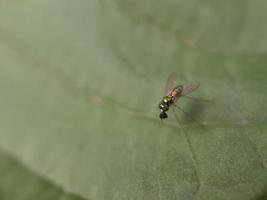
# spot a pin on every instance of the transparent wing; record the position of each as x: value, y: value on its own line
x: 171, y: 83
x: 191, y: 87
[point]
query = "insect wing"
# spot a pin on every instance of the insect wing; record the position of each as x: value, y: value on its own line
x: 171, y: 83
x: 191, y: 87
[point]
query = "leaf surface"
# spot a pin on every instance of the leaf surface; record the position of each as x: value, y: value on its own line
x: 80, y: 83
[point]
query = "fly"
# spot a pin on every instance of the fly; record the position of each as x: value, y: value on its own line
x: 173, y: 93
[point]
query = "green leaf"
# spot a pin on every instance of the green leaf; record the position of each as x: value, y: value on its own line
x: 80, y: 83
x: 17, y: 182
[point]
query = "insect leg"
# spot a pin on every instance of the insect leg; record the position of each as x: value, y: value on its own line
x: 176, y: 117
x: 199, y: 100
x: 188, y: 115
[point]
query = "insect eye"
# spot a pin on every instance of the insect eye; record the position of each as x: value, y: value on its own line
x: 180, y: 88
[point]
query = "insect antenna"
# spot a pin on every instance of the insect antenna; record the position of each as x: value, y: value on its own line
x: 189, y: 116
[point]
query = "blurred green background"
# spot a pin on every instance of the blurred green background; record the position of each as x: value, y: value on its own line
x: 80, y: 82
